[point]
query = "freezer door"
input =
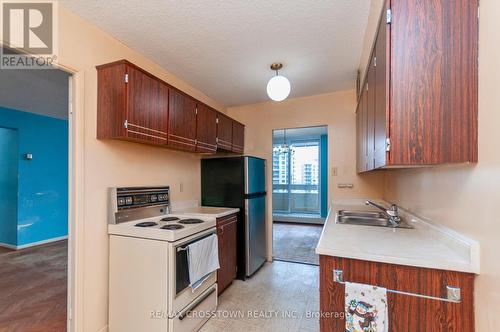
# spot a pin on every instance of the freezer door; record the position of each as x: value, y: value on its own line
x: 255, y: 233
x: 255, y: 175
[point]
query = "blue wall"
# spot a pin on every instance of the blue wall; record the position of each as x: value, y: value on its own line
x: 323, y: 157
x: 42, y: 207
x: 8, y: 185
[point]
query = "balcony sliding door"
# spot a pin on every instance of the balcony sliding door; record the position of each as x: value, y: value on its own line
x: 296, y: 177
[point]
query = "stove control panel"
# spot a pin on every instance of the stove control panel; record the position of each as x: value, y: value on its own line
x: 140, y: 197
x: 128, y: 201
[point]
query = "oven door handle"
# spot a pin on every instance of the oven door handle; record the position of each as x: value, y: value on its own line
x: 182, y: 248
x: 196, y: 303
x: 185, y: 247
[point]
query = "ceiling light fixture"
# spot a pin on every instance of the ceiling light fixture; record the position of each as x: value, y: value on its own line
x: 278, y: 87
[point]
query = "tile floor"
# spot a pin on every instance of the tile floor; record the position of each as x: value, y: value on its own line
x: 296, y: 242
x: 277, y: 298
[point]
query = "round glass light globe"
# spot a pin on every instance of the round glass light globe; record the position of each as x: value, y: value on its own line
x: 278, y: 88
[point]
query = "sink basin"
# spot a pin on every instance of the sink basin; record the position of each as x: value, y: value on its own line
x: 366, y: 218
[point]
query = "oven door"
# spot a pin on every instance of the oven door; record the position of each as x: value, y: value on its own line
x: 180, y: 289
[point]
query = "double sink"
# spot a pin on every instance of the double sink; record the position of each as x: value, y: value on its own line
x: 368, y: 218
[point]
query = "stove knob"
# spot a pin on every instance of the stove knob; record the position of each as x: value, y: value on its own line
x: 128, y: 200
x: 121, y: 201
x: 154, y: 198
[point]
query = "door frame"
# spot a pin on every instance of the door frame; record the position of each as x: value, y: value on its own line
x: 289, y: 184
x: 76, y: 200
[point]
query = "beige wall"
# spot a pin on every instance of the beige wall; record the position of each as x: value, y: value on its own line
x: 464, y: 197
x: 337, y: 110
x: 110, y: 163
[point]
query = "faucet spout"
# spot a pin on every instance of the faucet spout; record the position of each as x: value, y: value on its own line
x: 391, y: 213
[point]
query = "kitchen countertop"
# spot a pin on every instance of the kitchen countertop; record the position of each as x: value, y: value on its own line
x: 216, y: 212
x: 428, y: 245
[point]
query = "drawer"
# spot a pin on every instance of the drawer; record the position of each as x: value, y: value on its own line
x: 196, y: 313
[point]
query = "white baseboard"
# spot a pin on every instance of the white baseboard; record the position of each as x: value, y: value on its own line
x: 8, y: 246
x: 33, y: 244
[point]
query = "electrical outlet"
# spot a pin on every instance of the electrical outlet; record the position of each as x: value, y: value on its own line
x: 181, y: 187
x: 335, y: 171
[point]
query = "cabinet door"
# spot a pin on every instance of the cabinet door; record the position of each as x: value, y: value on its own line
x: 206, y: 129
x: 364, y: 126
x: 405, y: 313
x: 224, y: 132
x: 238, y: 137
x: 226, y: 235
x: 370, y: 114
x: 434, y: 81
x: 360, y: 160
x: 381, y: 94
x: 181, y: 121
x: 146, y: 120
x: 111, y: 101
x: 222, y: 278
x: 230, y: 234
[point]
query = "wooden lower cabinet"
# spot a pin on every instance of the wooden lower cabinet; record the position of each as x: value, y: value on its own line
x: 226, y: 234
x: 406, y: 313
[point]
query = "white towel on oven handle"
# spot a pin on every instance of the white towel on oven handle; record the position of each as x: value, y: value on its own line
x: 203, y: 259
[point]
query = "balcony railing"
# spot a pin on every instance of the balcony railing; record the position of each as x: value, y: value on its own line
x: 296, y: 198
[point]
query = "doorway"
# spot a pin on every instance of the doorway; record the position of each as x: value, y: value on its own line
x: 35, y: 157
x: 300, y: 200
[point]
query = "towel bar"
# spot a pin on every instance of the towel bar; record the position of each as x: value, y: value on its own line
x: 452, y: 293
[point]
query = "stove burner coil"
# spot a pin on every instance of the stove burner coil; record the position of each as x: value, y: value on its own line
x: 170, y: 219
x: 146, y: 224
x: 190, y: 221
x: 172, y: 227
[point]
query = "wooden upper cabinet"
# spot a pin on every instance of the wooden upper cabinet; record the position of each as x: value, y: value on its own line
x: 434, y: 81
x: 135, y: 105
x: 362, y: 130
x: 370, y: 115
x: 238, y: 137
x: 224, y: 132
x: 181, y: 121
x: 129, y: 105
x: 381, y: 63
x: 206, y: 129
x: 358, y: 139
x: 425, y: 84
x: 147, y: 119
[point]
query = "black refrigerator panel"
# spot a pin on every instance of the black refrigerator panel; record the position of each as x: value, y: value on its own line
x: 222, y: 182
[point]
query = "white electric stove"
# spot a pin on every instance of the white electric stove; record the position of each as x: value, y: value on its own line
x: 149, y: 287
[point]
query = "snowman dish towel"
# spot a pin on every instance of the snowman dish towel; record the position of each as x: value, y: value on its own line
x: 365, y: 308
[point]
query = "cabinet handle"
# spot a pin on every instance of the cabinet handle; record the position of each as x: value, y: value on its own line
x: 220, y: 230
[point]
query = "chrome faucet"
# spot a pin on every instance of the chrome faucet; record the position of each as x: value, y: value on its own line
x: 391, y: 213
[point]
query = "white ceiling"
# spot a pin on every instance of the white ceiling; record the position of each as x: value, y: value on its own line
x: 225, y: 47
x: 43, y: 92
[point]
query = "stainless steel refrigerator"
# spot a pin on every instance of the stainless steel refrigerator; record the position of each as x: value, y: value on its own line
x: 240, y: 182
